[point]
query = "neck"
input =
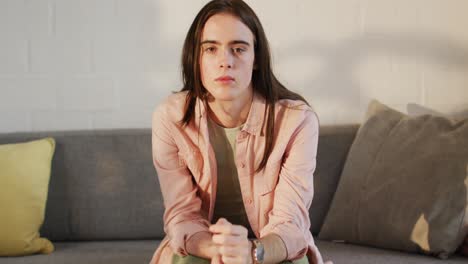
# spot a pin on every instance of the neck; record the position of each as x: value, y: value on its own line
x: 230, y: 113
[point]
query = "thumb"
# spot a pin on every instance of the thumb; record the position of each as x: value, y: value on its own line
x: 222, y: 221
x: 216, y: 260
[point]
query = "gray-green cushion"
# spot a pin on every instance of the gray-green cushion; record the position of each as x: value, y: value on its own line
x: 404, y: 184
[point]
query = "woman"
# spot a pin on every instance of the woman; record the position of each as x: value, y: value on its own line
x: 234, y: 148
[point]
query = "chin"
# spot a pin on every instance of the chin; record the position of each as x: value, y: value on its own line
x: 225, y: 94
x: 225, y: 97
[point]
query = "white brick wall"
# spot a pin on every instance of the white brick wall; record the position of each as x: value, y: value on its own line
x: 86, y: 64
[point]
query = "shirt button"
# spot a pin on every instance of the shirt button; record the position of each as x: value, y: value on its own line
x: 249, y: 201
x: 242, y: 165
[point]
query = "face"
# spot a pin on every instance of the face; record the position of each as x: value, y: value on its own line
x: 227, y: 58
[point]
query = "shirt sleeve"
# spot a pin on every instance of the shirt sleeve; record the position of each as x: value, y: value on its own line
x: 289, y: 217
x: 182, y: 218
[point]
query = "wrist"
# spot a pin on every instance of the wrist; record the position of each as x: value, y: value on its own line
x: 200, y: 245
x: 258, y: 251
x: 250, y: 258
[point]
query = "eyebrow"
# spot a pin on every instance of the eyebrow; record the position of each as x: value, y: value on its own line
x: 230, y: 43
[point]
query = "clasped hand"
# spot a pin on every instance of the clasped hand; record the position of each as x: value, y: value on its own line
x: 231, y: 243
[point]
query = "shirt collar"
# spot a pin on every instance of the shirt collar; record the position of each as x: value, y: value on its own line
x: 253, y: 124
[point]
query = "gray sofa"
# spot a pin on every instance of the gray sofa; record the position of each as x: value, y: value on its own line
x: 104, y: 204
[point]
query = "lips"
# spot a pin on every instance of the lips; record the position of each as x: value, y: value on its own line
x: 225, y: 78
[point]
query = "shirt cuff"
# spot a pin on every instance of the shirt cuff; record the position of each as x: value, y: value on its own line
x: 293, y: 239
x: 181, y: 232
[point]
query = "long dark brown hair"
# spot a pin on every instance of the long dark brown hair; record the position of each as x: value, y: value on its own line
x: 264, y: 81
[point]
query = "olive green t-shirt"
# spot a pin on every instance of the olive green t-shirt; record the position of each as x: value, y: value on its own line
x: 229, y: 203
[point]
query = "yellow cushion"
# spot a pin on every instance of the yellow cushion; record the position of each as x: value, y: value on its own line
x: 24, y: 183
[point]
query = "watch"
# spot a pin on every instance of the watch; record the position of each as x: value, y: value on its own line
x: 258, y: 251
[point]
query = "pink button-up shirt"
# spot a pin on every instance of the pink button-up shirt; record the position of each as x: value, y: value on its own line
x: 276, y: 200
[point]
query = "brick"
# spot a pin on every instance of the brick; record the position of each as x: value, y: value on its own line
x: 80, y: 18
x: 325, y: 21
x: 12, y: 18
x: 37, y: 17
x: 63, y: 120
x: 14, y: 121
x: 19, y: 19
x: 174, y: 27
x: 351, y: 113
x: 446, y: 20
x: 145, y: 91
x: 446, y: 87
x: 105, y: 17
x: 122, y: 119
x: 28, y: 93
x: 90, y: 93
x: 383, y: 17
x: 139, y: 16
x: 13, y: 56
x: 60, y: 55
x: 390, y: 78
x: 324, y: 110
x: 125, y: 52
x: 307, y: 74
x: 128, y: 40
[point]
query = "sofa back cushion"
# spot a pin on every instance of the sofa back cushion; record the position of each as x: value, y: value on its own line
x: 103, y: 185
x: 333, y: 147
x: 404, y: 184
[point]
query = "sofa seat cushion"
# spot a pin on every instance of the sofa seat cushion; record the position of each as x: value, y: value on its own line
x: 354, y: 254
x: 92, y: 252
x: 141, y: 251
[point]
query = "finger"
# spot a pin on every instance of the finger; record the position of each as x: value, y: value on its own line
x: 223, y: 220
x: 231, y: 260
x: 228, y: 228
x: 216, y: 259
x: 221, y: 223
x: 232, y: 251
x: 223, y: 239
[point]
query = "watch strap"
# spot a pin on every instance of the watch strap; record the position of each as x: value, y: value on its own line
x: 258, y: 251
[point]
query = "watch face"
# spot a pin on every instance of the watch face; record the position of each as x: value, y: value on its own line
x: 259, y: 251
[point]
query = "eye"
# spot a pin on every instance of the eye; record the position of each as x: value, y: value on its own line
x: 239, y: 50
x: 210, y: 49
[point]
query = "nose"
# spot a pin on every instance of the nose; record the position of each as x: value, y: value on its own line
x: 225, y: 60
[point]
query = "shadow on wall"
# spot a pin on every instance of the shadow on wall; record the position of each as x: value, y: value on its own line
x: 336, y: 81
